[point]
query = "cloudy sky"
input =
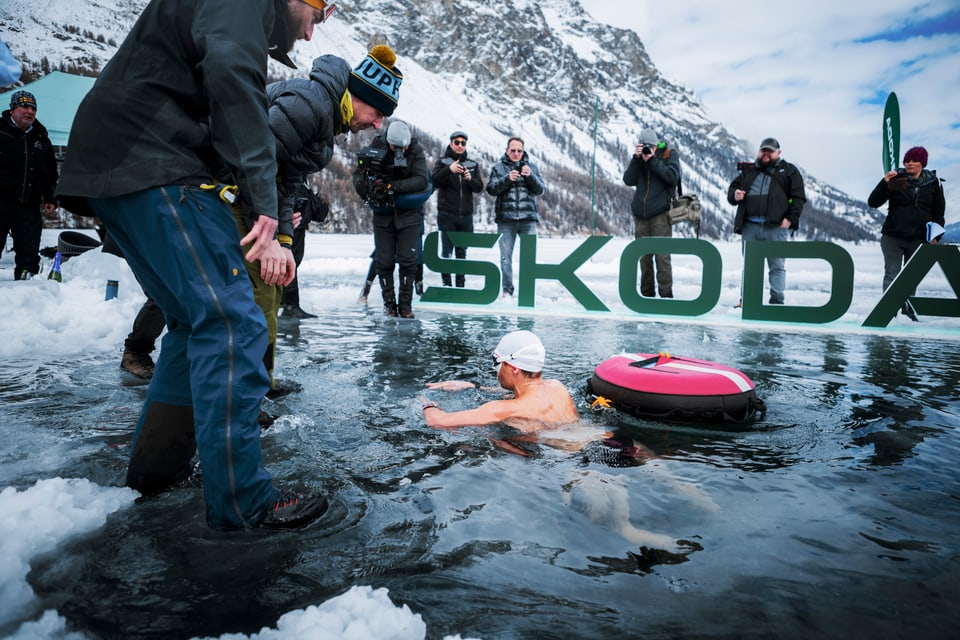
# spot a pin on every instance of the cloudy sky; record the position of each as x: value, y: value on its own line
x: 816, y: 75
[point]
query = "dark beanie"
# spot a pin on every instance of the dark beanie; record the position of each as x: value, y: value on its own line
x: 916, y: 154
x: 376, y: 81
x: 22, y: 99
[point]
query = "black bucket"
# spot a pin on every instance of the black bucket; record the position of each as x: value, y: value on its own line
x: 73, y: 243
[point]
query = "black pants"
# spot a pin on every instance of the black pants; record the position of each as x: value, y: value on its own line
x: 396, y: 238
x: 147, y: 327
x: 452, y: 222
x: 25, y: 223
x: 291, y: 292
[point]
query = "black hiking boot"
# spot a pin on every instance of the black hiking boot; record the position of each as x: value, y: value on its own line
x: 294, y: 311
x: 282, y: 388
x: 138, y: 364
x: 294, y: 510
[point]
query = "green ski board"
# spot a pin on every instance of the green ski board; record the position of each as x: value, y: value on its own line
x: 891, y: 134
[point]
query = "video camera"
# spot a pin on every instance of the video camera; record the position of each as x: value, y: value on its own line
x: 379, y: 189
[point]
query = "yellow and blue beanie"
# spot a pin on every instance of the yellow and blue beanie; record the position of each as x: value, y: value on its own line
x: 376, y: 80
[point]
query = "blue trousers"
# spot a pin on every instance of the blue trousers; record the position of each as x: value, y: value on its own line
x: 776, y: 266
x: 509, y: 230
x: 184, y: 247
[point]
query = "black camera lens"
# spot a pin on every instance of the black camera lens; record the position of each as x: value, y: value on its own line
x: 647, y: 149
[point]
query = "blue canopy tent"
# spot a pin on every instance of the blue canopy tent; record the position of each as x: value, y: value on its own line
x: 58, y: 96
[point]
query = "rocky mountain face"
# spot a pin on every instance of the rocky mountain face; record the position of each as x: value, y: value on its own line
x: 575, y: 90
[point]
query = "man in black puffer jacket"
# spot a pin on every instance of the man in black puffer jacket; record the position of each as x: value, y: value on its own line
x: 456, y: 178
x: 28, y: 177
x: 515, y: 182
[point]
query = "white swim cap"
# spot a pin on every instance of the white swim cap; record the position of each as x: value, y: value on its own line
x: 522, y: 349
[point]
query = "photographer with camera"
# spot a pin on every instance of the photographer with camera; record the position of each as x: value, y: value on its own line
x: 916, y: 198
x: 456, y: 179
x: 393, y: 179
x: 654, y: 170
x: 769, y: 196
x: 514, y: 181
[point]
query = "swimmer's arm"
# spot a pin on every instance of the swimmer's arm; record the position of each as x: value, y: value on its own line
x: 459, y: 385
x: 451, y: 385
x: 494, y: 412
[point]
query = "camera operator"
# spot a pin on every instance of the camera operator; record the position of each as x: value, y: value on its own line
x: 392, y: 178
x: 769, y: 196
x: 514, y: 181
x: 654, y: 170
x: 456, y: 178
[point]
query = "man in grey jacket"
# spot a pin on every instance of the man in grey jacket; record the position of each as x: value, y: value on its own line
x: 514, y: 181
x: 654, y: 170
x: 184, y: 92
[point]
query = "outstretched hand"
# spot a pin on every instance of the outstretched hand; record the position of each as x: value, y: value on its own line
x: 451, y: 385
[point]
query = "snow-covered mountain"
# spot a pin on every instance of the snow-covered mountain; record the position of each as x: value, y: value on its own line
x: 541, y: 69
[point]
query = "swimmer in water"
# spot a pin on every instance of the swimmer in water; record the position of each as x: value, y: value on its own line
x: 537, y: 403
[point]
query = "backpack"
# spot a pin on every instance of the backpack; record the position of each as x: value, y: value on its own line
x: 684, y: 208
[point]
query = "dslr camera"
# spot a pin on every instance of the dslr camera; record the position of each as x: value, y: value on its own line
x: 743, y: 166
x: 519, y: 165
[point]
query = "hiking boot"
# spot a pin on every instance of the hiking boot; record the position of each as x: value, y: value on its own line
x: 461, y: 280
x: 907, y: 310
x: 294, y: 510
x: 406, y: 312
x: 282, y: 388
x: 138, y: 364
x: 265, y: 420
x: 294, y: 311
x: 445, y: 279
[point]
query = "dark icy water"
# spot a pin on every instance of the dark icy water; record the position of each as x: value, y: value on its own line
x: 835, y: 515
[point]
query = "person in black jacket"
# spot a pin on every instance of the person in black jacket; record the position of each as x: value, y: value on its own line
x: 654, y: 170
x: 456, y: 178
x: 916, y: 198
x: 28, y: 178
x: 396, y: 194
x: 306, y: 115
x: 308, y: 207
x: 769, y: 196
x: 514, y: 182
x: 185, y: 92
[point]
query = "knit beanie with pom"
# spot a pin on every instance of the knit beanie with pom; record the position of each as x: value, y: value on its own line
x: 376, y: 80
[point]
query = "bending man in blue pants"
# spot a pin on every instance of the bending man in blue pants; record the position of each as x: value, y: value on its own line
x: 185, y: 90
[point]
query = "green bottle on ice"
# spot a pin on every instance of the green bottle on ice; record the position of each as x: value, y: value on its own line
x: 55, y: 273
